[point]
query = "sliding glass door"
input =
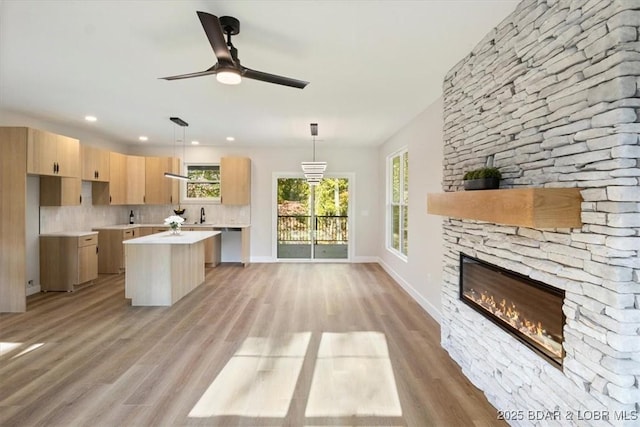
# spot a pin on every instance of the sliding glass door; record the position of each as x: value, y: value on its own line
x: 313, y: 220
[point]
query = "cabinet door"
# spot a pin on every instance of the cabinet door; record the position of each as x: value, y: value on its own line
x: 235, y: 180
x: 118, y: 179
x: 87, y: 263
x: 60, y: 191
x: 135, y: 180
x: 41, y: 152
x: 95, y: 164
x: 158, y: 188
x: 68, y: 156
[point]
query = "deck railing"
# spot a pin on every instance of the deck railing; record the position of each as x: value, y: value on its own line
x: 295, y: 229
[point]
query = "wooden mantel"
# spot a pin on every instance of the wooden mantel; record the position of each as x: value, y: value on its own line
x: 527, y: 207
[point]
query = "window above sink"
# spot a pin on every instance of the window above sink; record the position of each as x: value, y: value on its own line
x: 203, y: 184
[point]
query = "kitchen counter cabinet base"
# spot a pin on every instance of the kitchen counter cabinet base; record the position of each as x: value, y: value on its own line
x: 160, y: 274
x: 67, y: 262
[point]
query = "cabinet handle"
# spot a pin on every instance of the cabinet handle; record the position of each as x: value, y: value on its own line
x: 87, y: 239
x: 96, y: 174
x: 96, y: 249
x: 54, y: 167
x: 109, y: 199
x: 81, y: 199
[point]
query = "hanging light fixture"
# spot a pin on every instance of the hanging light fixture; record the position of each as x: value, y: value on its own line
x: 183, y: 124
x: 313, y: 171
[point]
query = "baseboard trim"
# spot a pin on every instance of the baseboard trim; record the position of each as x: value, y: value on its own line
x: 33, y: 289
x: 354, y: 260
x: 263, y: 259
x: 422, y: 302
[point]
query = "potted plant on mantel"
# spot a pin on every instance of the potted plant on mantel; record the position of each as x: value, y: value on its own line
x: 487, y: 178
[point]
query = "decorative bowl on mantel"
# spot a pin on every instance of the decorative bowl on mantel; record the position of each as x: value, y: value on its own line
x: 486, y: 178
x: 481, y: 183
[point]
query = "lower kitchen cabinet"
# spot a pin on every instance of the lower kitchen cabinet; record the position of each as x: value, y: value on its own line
x: 212, y: 246
x: 68, y: 260
x: 111, y: 258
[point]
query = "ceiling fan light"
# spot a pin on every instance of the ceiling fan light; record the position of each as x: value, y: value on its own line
x: 228, y: 77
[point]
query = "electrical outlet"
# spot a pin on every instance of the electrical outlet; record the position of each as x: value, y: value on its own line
x: 30, y: 283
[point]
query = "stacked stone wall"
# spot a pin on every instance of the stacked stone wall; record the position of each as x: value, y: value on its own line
x: 553, y: 94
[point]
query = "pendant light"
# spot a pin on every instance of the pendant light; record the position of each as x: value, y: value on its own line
x: 183, y: 124
x: 313, y: 171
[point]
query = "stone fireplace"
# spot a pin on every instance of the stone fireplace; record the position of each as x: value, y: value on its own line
x: 553, y: 93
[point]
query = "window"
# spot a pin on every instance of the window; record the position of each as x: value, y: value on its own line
x: 203, y: 184
x: 398, y: 203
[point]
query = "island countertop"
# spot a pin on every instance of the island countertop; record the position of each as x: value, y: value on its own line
x: 167, y: 238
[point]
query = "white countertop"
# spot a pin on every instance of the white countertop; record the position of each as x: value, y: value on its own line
x: 184, y: 224
x: 69, y: 234
x: 117, y: 227
x: 167, y: 238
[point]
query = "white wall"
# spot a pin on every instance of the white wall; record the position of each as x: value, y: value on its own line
x: 363, y: 162
x: 421, y: 274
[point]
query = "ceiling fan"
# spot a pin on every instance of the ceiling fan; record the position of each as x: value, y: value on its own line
x: 228, y: 69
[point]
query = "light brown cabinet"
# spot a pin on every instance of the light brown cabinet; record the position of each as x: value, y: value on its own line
x: 160, y: 190
x: 13, y: 202
x: 113, y: 192
x: 212, y: 246
x: 59, y: 191
x: 111, y: 258
x: 235, y: 180
x: 67, y: 261
x: 95, y: 164
x: 51, y: 154
x: 135, y: 180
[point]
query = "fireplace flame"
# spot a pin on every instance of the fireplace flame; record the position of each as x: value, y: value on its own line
x: 508, y: 312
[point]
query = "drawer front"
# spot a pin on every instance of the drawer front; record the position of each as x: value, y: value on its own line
x: 87, y: 241
x: 128, y: 234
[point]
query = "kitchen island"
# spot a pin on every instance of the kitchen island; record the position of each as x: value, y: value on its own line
x: 162, y: 268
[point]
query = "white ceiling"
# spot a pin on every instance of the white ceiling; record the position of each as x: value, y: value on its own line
x: 373, y: 66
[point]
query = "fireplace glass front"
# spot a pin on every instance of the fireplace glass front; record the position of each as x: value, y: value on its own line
x: 528, y: 309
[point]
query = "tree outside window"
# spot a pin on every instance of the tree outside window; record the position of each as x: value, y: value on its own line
x: 204, y: 182
x: 398, y: 203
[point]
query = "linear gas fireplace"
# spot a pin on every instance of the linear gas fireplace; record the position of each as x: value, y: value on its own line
x: 528, y: 309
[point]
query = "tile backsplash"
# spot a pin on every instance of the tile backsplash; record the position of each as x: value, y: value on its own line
x: 87, y: 216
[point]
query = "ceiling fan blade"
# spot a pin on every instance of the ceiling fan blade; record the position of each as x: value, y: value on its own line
x: 213, y: 30
x: 272, y: 78
x: 211, y: 70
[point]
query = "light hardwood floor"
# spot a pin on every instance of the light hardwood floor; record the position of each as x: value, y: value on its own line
x: 266, y: 345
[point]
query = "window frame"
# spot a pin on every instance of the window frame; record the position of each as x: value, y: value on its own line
x: 197, y: 200
x: 402, y: 203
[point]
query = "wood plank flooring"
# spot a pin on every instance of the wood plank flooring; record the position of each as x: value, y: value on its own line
x: 282, y: 344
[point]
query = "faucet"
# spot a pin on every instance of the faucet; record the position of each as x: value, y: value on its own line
x: 202, y: 215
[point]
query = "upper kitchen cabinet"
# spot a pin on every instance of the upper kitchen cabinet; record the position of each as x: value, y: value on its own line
x: 95, y: 163
x: 135, y: 180
x: 160, y: 190
x: 235, y: 180
x: 113, y: 192
x: 51, y: 154
x: 60, y: 191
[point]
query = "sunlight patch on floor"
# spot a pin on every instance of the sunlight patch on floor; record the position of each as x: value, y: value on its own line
x: 28, y: 349
x: 353, y: 377
x: 6, y: 347
x: 258, y: 381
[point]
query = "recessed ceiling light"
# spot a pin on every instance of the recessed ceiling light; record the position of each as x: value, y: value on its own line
x: 143, y: 138
x: 195, y: 142
x: 90, y: 118
x: 230, y: 138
